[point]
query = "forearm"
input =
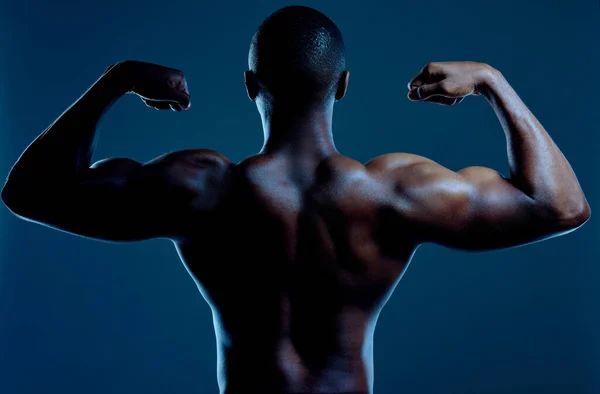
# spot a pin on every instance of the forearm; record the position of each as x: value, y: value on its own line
x: 537, y: 165
x: 65, y: 148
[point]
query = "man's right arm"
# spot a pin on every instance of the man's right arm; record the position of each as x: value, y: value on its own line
x: 53, y: 182
x: 476, y: 208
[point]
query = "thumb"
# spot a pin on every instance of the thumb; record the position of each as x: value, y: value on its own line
x: 183, y: 100
x: 180, y: 92
x: 423, y: 92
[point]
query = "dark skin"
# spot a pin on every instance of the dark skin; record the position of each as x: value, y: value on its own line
x: 296, y: 248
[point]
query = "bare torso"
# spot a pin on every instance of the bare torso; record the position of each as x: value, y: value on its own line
x: 297, y: 255
x: 296, y: 264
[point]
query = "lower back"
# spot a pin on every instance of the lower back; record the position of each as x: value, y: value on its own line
x: 297, y: 364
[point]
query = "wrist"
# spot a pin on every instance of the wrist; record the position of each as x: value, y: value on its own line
x: 119, y: 78
x: 488, y: 80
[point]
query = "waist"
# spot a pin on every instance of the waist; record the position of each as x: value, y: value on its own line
x: 254, y: 391
x: 287, y: 370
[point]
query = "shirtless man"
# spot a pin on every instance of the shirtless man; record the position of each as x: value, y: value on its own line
x: 296, y: 248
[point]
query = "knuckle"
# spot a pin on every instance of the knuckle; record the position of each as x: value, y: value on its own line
x: 445, y: 86
x: 429, y: 67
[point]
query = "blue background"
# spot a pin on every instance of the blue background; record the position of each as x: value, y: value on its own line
x: 77, y: 315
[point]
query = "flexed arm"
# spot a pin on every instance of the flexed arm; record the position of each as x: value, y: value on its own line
x: 54, y: 184
x: 64, y: 150
x: 476, y: 208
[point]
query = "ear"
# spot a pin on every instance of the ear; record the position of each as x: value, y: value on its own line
x: 342, y: 86
x: 251, y: 84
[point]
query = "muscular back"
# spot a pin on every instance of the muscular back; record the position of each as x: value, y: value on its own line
x: 295, y: 257
x: 296, y: 263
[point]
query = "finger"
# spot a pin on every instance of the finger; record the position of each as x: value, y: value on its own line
x: 444, y: 100
x: 174, y: 90
x: 181, y: 93
x: 425, y: 91
x: 170, y: 97
x: 414, y: 83
x: 186, y: 103
x: 160, y: 105
x: 181, y: 99
x: 430, y: 73
x: 175, y: 107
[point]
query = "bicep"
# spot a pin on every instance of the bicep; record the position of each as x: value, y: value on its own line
x: 472, y: 209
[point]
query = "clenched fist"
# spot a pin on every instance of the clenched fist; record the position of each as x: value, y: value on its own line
x: 158, y: 86
x: 448, y: 83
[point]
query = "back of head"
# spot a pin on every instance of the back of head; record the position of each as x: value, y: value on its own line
x: 297, y: 52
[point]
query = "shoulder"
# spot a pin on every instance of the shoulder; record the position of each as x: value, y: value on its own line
x: 395, y: 163
x: 195, y: 170
x: 193, y: 165
x: 393, y: 160
x: 417, y: 177
x: 199, y: 158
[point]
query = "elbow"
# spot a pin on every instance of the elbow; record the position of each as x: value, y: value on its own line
x: 13, y: 201
x: 585, y: 214
x: 576, y: 216
x: 8, y: 198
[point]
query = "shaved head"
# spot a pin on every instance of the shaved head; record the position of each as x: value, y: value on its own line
x: 297, y: 52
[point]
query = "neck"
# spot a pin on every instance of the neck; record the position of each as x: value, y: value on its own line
x: 297, y: 132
